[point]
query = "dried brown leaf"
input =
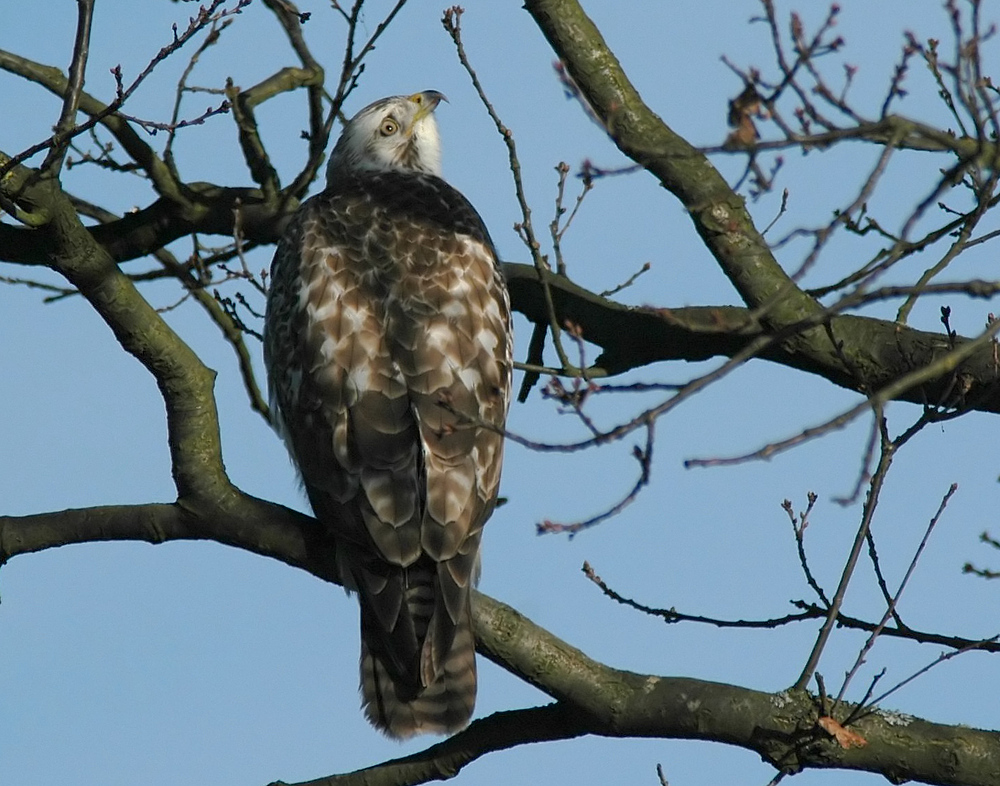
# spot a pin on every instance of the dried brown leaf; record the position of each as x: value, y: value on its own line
x: 845, y: 737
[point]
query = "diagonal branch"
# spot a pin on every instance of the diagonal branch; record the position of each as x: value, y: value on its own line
x: 719, y: 214
x: 592, y: 698
x: 500, y: 731
x: 71, y: 98
x: 185, y: 383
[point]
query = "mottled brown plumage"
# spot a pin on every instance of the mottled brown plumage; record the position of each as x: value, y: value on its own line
x: 388, y: 349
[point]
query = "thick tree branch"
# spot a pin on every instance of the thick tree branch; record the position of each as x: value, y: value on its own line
x: 209, y: 210
x: 185, y: 383
x: 880, y: 352
x: 592, y: 698
x: 781, y: 728
x: 244, y: 522
x: 499, y: 731
x: 719, y: 214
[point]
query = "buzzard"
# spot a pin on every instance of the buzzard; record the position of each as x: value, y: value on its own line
x: 388, y: 351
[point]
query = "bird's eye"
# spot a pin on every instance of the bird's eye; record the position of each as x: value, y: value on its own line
x: 388, y: 127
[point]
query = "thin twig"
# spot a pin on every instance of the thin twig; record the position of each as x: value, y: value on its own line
x: 645, y: 458
x: 871, y: 503
x: 452, y: 24
x: 894, y: 601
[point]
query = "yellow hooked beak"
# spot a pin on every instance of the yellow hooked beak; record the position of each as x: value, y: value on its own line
x: 426, y: 102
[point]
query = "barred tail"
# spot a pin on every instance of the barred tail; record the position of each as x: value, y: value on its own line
x: 442, y: 706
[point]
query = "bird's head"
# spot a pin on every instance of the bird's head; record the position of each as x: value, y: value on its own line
x: 395, y: 134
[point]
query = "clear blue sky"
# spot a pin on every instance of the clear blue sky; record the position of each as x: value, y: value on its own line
x: 194, y: 663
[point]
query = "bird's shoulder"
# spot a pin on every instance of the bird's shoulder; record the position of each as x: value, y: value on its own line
x: 396, y: 196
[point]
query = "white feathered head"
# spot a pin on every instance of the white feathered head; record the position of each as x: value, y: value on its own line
x: 394, y: 134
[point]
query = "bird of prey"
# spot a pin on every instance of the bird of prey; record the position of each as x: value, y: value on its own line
x: 388, y: 351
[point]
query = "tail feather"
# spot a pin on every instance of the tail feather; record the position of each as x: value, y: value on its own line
x: 441, y: 706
